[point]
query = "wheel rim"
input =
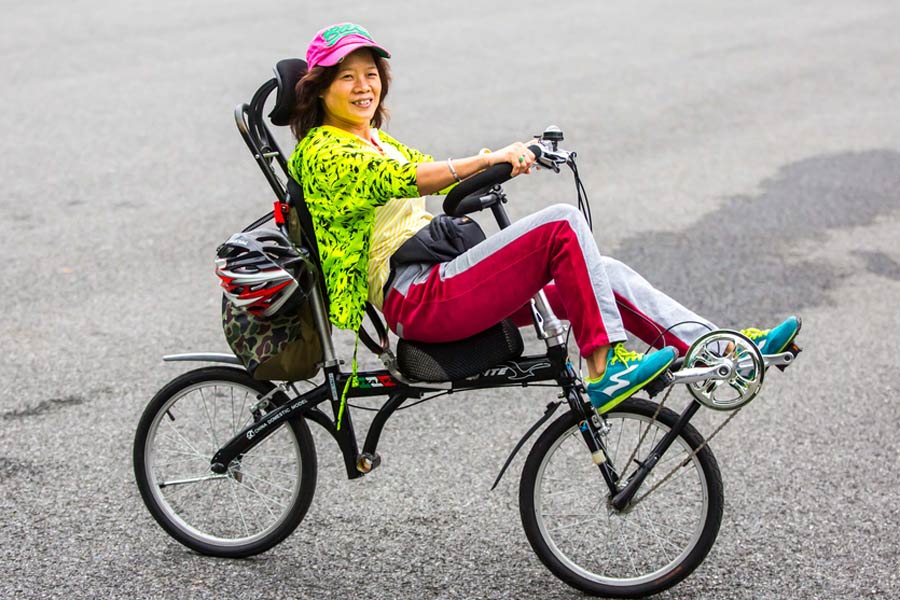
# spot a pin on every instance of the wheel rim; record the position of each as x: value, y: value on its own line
x: 648, y: 541
x: 239, y: 507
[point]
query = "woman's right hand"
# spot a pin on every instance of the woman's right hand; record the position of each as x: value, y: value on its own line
x: 432, y: 177
x: 518, y: 155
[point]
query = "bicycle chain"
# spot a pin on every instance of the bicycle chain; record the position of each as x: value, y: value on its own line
x: 684, y: 463
x: 646, y: 431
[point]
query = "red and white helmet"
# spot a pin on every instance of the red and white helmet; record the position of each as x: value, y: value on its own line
x: 263, y: 273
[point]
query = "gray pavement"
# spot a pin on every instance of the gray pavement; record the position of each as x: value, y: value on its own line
x: 744, y: 156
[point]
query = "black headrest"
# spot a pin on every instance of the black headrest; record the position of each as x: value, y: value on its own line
x: 287, y: 73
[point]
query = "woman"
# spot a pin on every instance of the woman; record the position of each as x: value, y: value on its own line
x: 364, y: 191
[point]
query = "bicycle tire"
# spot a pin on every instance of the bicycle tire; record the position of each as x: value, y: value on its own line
x: 577, y: 555
x: 199, y: 519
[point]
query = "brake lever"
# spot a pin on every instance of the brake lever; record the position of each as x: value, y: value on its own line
x: 553, y: 159
x: 548, y: 164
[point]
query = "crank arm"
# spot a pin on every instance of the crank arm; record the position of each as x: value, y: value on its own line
x: 779, y: 360
x: 698, y: 374
x: 770, y: 360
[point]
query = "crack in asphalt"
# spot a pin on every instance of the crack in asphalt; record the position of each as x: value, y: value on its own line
x: 43, y: 407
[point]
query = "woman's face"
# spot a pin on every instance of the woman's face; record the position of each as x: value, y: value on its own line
x: 351, y: 99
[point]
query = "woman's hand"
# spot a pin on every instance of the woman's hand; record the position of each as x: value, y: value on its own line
x: 517, y: 154
x: 432, y: 177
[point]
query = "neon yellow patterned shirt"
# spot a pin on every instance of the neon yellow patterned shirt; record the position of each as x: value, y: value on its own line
x: 344, y: 180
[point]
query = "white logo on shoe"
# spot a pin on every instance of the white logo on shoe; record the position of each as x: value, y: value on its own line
x: 618, y: 382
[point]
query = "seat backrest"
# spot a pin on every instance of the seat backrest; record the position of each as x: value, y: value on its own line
x: 287, y: 73
x: 294, y: 199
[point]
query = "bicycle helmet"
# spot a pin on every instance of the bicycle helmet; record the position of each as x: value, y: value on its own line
x: 263, y: 273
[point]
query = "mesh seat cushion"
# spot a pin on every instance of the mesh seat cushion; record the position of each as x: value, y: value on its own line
x: 452, y: 361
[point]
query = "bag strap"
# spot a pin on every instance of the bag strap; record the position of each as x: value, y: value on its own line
x: 255, y: 224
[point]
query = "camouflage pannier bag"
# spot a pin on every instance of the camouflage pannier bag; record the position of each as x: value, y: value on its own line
x: 281, y: 347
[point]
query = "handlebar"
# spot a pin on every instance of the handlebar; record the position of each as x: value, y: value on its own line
x: 466, y: 191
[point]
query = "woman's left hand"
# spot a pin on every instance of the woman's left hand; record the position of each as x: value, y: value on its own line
x: 518, y: 155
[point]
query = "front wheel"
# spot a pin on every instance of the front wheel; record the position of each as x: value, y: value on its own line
x: 649, y: 546
x: 261, y: 498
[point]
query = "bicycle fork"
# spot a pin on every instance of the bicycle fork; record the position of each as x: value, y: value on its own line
x: 593, y: 427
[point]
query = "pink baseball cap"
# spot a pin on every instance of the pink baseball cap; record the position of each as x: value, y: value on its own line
x: 333, y: 43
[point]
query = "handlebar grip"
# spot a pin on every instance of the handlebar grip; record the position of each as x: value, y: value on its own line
x: 493, y: 175
x: 469, y: 204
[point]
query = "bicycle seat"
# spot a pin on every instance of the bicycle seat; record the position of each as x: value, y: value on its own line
x: 452, y: 361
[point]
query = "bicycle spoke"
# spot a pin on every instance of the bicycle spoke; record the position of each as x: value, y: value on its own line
x: 260, y: 494
x: 181, y: 452
x: 237, y: 503
x: 618, y: 445
x: 671, y: 455
x: 674, y: 529
x: 267, y: 482
x: 215, y: 417
x: 564, y: 492
x: 256, y: 491
x: 184, y: 439
x: 233, y: 419
x: 630, y: 551
x: 286, y: 474
x: 212, y: 428
x: 176, y: 482
x: 650, y: 529
x: 179, y: 461
x: 571, y: 525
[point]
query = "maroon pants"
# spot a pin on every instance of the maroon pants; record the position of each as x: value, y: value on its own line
x: 552, y: 250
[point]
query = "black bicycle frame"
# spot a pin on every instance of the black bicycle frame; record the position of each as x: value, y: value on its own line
x: 553, y: 366
x: 520, y: 372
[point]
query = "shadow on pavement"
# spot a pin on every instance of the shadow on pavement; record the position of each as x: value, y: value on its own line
x: 732, y: 266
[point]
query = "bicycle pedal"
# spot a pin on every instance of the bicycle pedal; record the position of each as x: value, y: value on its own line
x: 662, y: 381
x: 793, y: 349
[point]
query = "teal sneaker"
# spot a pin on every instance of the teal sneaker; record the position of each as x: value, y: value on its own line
x: 626, y: 373
x: 777, y: 339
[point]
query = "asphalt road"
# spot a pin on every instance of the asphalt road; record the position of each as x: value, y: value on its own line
x: 744, y: 156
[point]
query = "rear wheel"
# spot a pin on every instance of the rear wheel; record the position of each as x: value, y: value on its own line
x: 649, y: 546
x: 264, y: 494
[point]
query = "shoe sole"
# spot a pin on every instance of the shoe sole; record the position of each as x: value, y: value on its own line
x: 625, y: 395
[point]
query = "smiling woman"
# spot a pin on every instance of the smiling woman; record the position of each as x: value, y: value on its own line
x: 377, y: 242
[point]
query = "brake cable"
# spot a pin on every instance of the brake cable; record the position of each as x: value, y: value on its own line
x: 583, y: 204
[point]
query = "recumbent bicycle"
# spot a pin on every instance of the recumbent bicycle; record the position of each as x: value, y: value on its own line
x: 624, y: 504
